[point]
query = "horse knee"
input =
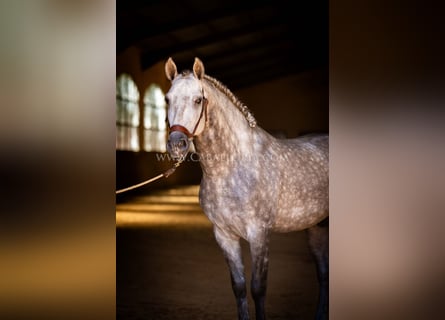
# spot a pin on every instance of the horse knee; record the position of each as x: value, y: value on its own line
x: 239, y: 288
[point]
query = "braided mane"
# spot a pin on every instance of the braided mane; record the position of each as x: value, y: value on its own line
x: 241, y: 106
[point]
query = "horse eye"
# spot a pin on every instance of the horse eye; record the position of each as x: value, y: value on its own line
x: 198, y: 100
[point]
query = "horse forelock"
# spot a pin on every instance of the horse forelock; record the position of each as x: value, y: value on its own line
x: 185, y: 73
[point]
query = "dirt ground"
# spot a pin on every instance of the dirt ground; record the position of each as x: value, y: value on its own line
x: 170, y: 267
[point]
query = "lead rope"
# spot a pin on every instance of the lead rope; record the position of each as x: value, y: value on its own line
x: 166, y: 174
x: 188, y: 134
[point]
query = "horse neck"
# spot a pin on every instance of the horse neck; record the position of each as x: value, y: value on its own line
x: 227, y: 136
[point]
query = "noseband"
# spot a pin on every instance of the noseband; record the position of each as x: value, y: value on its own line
x: 190, y: 135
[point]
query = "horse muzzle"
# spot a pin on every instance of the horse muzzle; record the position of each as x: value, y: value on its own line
x: 178, y: 145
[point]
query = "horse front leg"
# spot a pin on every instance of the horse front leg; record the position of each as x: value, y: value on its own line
x: 319, y: 246
x: 259, y: 250
x: 231, y: 248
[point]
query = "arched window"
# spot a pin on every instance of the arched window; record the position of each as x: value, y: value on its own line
x: 127, y: 117
x: 155, y: 113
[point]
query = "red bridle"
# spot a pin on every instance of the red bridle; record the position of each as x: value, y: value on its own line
x: 180, y: 128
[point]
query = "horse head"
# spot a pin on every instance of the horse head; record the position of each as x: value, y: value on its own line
x: 187, y: 107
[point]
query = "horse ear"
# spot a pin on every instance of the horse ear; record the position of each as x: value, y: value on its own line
x: 170, y: 69
x: 198, y: 68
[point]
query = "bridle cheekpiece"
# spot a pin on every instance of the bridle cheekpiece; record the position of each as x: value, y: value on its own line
x: 180, y: 128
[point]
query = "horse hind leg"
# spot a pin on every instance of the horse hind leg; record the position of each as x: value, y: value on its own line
x: 319, y: 245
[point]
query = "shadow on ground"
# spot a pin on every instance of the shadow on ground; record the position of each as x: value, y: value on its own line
x: 169, y: 266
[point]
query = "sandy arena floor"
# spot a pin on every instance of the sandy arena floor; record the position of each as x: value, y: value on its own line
x: 170, y: 267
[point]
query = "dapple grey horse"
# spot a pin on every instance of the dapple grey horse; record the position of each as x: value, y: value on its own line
x: 253, y: 184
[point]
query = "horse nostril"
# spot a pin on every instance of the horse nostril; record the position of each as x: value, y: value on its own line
x: 182, y: 144
x: 177, y: 143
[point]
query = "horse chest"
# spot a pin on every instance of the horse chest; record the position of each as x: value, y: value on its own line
x: 233, y: 206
